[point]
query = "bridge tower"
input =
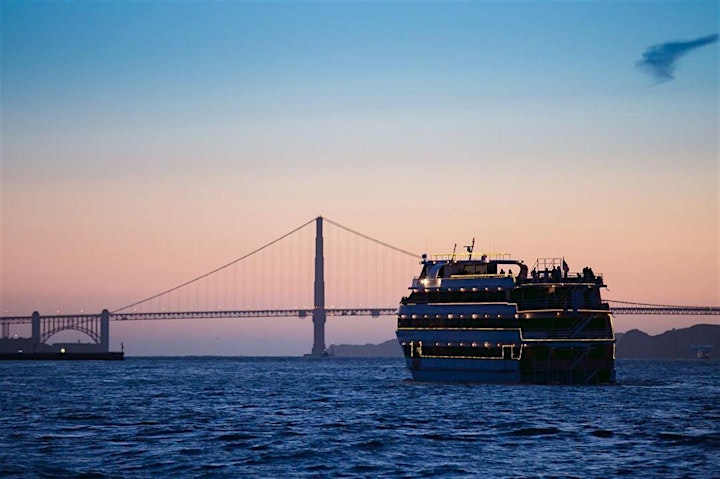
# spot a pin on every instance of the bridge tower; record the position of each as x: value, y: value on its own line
x: 319, y: 316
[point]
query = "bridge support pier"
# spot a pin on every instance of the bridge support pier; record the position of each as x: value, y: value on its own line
x: 319, y: 315
x: 35, y: 325
x: 105, y: 331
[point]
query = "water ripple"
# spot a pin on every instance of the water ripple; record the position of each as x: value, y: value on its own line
x: 267, y: 417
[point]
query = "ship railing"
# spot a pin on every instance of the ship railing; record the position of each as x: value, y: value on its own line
x: 570, y: 277
x: 548, y: 264
x: 481, y: 276
x: 477, y: 255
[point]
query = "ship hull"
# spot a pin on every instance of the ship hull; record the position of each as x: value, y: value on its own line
x: 464, y: 370
x: 505, y: 356
x: 505, y: 372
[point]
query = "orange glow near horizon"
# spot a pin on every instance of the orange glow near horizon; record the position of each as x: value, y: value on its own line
x: 131, y: 167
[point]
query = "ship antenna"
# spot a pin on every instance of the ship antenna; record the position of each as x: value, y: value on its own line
x: 470, y: 249
x: 453, y: 255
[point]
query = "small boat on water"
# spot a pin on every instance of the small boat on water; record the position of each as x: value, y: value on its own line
x: 489, y: 320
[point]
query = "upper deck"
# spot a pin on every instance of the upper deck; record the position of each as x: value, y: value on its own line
x: 497, y: 270
x: 549, y: 285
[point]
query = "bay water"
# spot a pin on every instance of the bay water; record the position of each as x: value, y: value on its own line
x: 347, y: 417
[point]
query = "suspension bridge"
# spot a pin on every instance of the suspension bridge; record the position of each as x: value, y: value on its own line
x: 367, y: 276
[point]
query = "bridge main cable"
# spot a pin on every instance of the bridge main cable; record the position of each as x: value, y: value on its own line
x: 213, y: 271
x: 370, y: 238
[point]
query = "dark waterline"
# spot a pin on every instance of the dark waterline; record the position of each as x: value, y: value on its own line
x: 282, y: 417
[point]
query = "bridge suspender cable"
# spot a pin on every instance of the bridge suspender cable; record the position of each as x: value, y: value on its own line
x: 213, y: 271
x: 369, y: 238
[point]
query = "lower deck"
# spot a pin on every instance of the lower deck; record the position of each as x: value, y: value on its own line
x: 504, y: 356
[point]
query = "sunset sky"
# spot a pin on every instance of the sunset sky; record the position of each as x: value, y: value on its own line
x: 145, y: 143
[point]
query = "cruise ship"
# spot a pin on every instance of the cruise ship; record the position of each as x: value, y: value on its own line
x: 490, y: 320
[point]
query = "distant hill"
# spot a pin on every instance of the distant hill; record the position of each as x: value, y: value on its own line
x: 674, y: 344
x: 388, y: 349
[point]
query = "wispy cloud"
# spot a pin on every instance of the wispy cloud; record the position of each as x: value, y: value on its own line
x: 659, y: 60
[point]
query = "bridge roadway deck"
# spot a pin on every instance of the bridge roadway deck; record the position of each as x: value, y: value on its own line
x: 255, y: 313
x: 302, y: 313
x: 686, y: 311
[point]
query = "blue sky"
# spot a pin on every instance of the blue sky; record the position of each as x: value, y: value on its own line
x: 165, y: 116
x: 164, y: 67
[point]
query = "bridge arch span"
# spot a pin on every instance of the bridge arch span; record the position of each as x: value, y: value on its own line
x: 95, y: 326
x: 82, y: 328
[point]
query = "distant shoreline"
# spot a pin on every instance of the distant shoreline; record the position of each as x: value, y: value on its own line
x: 634, y: 344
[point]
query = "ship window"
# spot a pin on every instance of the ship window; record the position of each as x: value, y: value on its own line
x: 477, y: 268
